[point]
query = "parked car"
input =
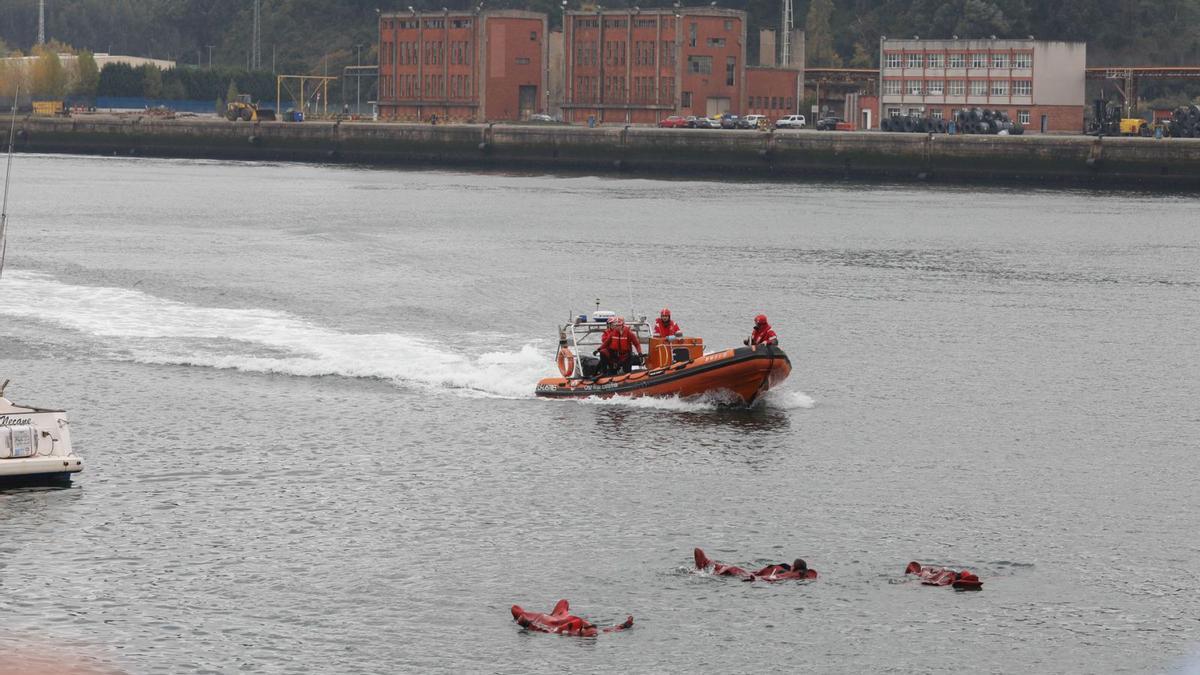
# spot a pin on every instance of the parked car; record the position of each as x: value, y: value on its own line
x: 541, y: 117
x: 707, y: 123
x: 674, y: 122
x: 729, y: 121
x: 827, y: 123
x: 691, y: 121
x: 791, y: 122
x: 752, y: 121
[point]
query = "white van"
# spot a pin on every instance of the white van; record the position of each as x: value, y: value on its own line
x: 791, y: 122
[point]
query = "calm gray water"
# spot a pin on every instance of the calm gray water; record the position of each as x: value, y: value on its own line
x: 303, y: 394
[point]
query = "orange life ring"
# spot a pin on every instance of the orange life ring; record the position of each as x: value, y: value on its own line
x: 566, y: 362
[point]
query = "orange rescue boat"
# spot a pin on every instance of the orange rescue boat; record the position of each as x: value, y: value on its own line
x: 677, y: 367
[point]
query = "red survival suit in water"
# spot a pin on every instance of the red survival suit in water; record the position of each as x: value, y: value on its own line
x: 560, y: 621
x: 780, y: 572
x: 942, y: 576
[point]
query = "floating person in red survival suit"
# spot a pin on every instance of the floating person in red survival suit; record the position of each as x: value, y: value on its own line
x: 762, y: 333
x: 665, y: 327
x: 560, y: 621
x: 963, y: 580
x: 798, y: 569
x: 617, y: 346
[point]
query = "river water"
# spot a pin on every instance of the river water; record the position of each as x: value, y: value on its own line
x: 304, y: 399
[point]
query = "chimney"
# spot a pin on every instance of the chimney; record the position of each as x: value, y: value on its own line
x: 766, y: 47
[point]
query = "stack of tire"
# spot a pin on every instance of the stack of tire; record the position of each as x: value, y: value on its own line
x: 986, y: 121
x: 913, y: 124
x: 1185, y: 122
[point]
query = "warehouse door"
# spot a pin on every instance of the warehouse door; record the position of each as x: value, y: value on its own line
x: 717, y: 106
x: 527, y: 100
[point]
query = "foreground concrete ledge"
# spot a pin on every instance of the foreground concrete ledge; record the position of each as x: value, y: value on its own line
x: 1138, y: 163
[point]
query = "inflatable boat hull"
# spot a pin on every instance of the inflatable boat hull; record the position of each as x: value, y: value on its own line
x: 744, y: 374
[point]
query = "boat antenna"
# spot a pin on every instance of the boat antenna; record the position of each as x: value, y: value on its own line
x: 12, y: 133
x: 629, y: 282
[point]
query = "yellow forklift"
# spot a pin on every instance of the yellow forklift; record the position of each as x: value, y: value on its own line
x: 243, y: 109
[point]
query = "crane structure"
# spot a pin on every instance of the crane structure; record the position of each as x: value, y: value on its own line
x: 785, y: 26
x: 41, y: 22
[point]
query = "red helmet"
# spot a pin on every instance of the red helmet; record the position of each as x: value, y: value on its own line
x: 666, y: 313
x: 760, y: 319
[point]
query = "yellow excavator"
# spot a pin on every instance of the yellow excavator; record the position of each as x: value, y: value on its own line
x: 243, y: 109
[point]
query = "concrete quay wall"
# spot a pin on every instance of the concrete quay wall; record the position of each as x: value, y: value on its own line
x: 1132, y: 162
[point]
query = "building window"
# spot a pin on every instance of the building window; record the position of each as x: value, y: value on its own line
x: 891, y: 87
x: 913, y: 88
x: 728, y: 24
x: 914, y: 112
x: 893, y: 112
x: 915, y: 60
x: 935, y: 113
x: 957, y: 61
x: 701, y: 65
x: 999, y: 60
x: 1022, y: 88
x: 522, y: 60
x: 979, y: 87
x: 934, y: 60
x: 934, y: 87
x: 716, y: 42
x: 957, y: 88
x: 1023, y: 116
x: 692, y: 35
x: 685, y: 99
x: 1023, y: 60
x: 533, y: 36
x: 979, y: 60
x: 730, y: 68
x: 893, y: 59
x: 668, y: 53
x: 999, y: 87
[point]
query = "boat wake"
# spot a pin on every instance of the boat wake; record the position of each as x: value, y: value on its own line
x: 146, y: 329
x: 132, y: 325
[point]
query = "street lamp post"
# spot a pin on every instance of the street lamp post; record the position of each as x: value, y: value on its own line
x: 358, y: 80
x: 565, y: 57
x: 210, y: 48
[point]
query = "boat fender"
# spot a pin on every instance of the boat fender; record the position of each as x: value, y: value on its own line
x: 566, y: 361
x: 254, y: 140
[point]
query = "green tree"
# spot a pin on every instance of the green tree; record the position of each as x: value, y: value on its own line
x: 152, y: 81
x: 862, y: 58
x: 818, y: 35
x: 49, y: 76
x: 231, y: 93
x: 89, y: 75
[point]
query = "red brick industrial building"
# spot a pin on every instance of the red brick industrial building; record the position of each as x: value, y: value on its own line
x: 489, y: 65
x: 638, y: 66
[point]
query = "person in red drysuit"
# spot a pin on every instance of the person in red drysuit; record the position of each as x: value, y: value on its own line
x: 798, y: 569
x: 762, y: 334
x: 616, y: 348
x: 562, y: 622
x: 943, y: 576
x: 665, y: 327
